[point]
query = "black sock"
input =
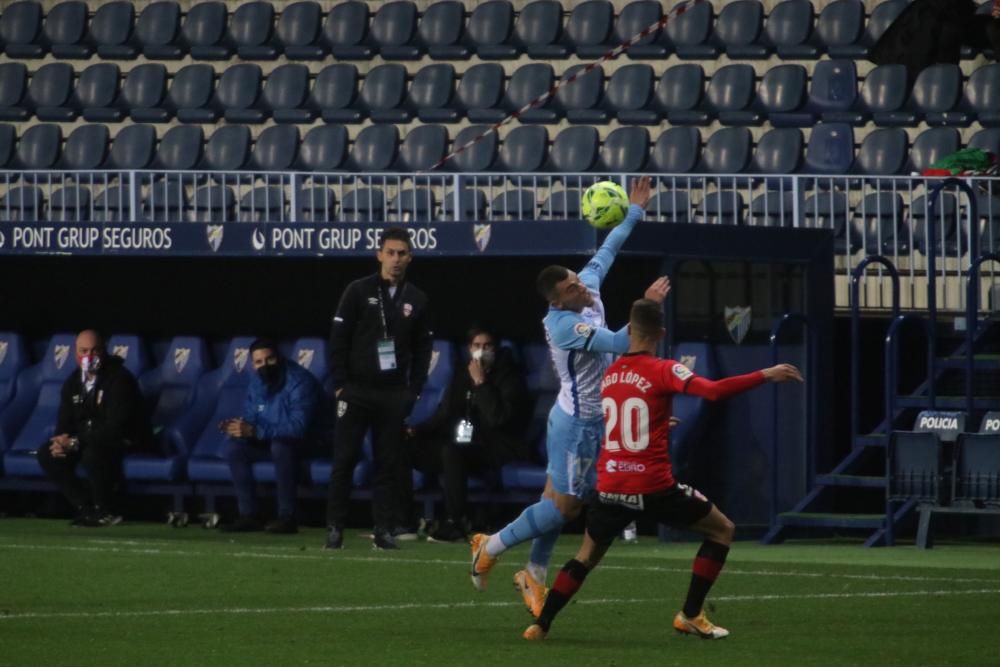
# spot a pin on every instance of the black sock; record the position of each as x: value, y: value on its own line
x: 567, y: 583
x: 707, y: 565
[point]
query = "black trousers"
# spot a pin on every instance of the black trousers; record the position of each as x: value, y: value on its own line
x: 359, y: 410
x: 103, y: 464
x: 483, y: 457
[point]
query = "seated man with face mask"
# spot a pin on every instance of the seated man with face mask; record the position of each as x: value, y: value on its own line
x: 101, y: 418
x: 276, y: 424
x: 478, y: 427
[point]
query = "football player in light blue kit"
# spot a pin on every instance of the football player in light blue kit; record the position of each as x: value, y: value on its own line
x: 582, y: 347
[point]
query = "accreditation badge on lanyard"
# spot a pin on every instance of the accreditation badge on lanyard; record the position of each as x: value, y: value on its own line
x: 386, y: 346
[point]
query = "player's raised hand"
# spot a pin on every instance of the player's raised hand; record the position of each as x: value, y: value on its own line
x: 640, y: 192
x: 658, y: 290
x: 782, y: 373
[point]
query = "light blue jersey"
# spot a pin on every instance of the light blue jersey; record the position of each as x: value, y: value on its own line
x: 581, y: 345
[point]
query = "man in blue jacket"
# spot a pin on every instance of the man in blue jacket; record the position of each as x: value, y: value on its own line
x: 276, y: 424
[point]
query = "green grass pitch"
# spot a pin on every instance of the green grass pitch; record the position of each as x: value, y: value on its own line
x: 144, y: 594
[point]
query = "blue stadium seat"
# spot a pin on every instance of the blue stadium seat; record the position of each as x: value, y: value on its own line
x: 635, y: 17
x: 66, y: 31
x: 773, y: 208
x: 21, y: 30
x: 471, y: 204
x: 982, y: 95
x: 275, y: 149
x: 491, y: 30
x: 728, y: 98
x: 165, y: 201
x: 324, y: 148
x: 834, y: 87
x: 345, y: 32
x: 30, y: 418
x: 945, y: 219
x: 790, y: 30
x: 383, y: 93
x: 237, y: 92
x: 589, y: 29
x: 316, y: 204
x: 481, y: 88
x: 333, y: 96
x: 8, y: 139
x: 228, y: 149
x: 677, y: 151
x: 840, y: 28
x: 830, y: 149
x: 132, y: 351
x: 625, y: 150
x: 284, y: 94
x: 514, y: 204
x: 580, y: 101
x: 431, y: 91
x: 781, y: 98
x: 170, y: 390
x: 413, y: 205
x: 562, y: 204
x: 881, y: 18
x: 422, y: 148
x: 363, y: 204
x: 111, y: 30
x: 987, y: 139
x: 528, y: 82
x: 443, y: 359
x: 691, y: 33
x: 574, y: 150
x: 727, y: 151
x: 539, y: 29
x: 263, y: 204
x: 883, y: 153
x: 50, y: 92
x: 673, y: 205
x: 441, y: 33
x: 212, y: 203
x: 13, y: 85
x: 189, y: 98
x: 524, y: 150
x: 394, y: 31
x: 883, y: 93
x: 739, y: 29
x: 13, y: 359
x: 143, y: 93
x: 111, y: 204
x: 680, y: 95
x: 543, y: 386
x: 158, y: 30
x: 180, y: 148
x: 85, y: 148
x: 914, y: 467
x: 828, y: 210
x: 220, y: 394
x: 879, y: 219
x: 930, y: 146
x: 96, y: 94
x: 299, y: 31
x: 374, y: 149
x: 39, y: 147
x: 630, y: 94
x: 477, y: 157
x: 779, y: 151
x: 204, y: 32
x: 721, y: 207
x: 976, y: 478
x: 935, y: 98
x: 252, y: 30
x: 22, y: 203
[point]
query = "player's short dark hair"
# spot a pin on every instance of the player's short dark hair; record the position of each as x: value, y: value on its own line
x: 265, y: 343
x: 395, y: 234
x: 646, y: 318
x: 479, y: 328
x: 547, y: 280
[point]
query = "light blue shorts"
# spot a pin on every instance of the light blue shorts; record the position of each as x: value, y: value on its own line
x: 572, y: 446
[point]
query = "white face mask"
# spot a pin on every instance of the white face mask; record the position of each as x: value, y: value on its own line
x: 484, y: 356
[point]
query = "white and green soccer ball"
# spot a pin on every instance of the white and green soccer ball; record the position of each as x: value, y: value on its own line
x: 604, y: 204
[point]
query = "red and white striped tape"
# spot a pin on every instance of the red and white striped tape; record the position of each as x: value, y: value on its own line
x: 677, y: 10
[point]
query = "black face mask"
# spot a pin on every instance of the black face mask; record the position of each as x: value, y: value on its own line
x: 270, y: 374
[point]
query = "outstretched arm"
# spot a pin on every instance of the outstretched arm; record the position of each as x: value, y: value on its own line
x: 715, y: 390
x: 597, y: 268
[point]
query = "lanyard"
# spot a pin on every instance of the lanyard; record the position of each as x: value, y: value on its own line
x: 381, y: 312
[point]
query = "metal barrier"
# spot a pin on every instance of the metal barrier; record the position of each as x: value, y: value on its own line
x: 890, y: 216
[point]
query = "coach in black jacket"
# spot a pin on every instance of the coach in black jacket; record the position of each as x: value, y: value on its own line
x: 380, y: 346
x: 101, y: 417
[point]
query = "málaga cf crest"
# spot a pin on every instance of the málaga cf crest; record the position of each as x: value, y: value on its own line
x: 737, y: 322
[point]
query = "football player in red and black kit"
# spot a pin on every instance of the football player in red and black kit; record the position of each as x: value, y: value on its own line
x: 634, y: 477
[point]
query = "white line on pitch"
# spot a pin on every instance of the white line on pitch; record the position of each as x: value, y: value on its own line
x: 344, y: 609
x: 437, y: 561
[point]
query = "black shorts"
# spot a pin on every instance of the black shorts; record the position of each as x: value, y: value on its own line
x: 680, y: 506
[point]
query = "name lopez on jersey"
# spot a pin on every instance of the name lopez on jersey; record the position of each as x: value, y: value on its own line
x: 630, y: 377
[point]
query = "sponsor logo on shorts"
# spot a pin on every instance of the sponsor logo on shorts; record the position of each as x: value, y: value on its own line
x: 630, y: 500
